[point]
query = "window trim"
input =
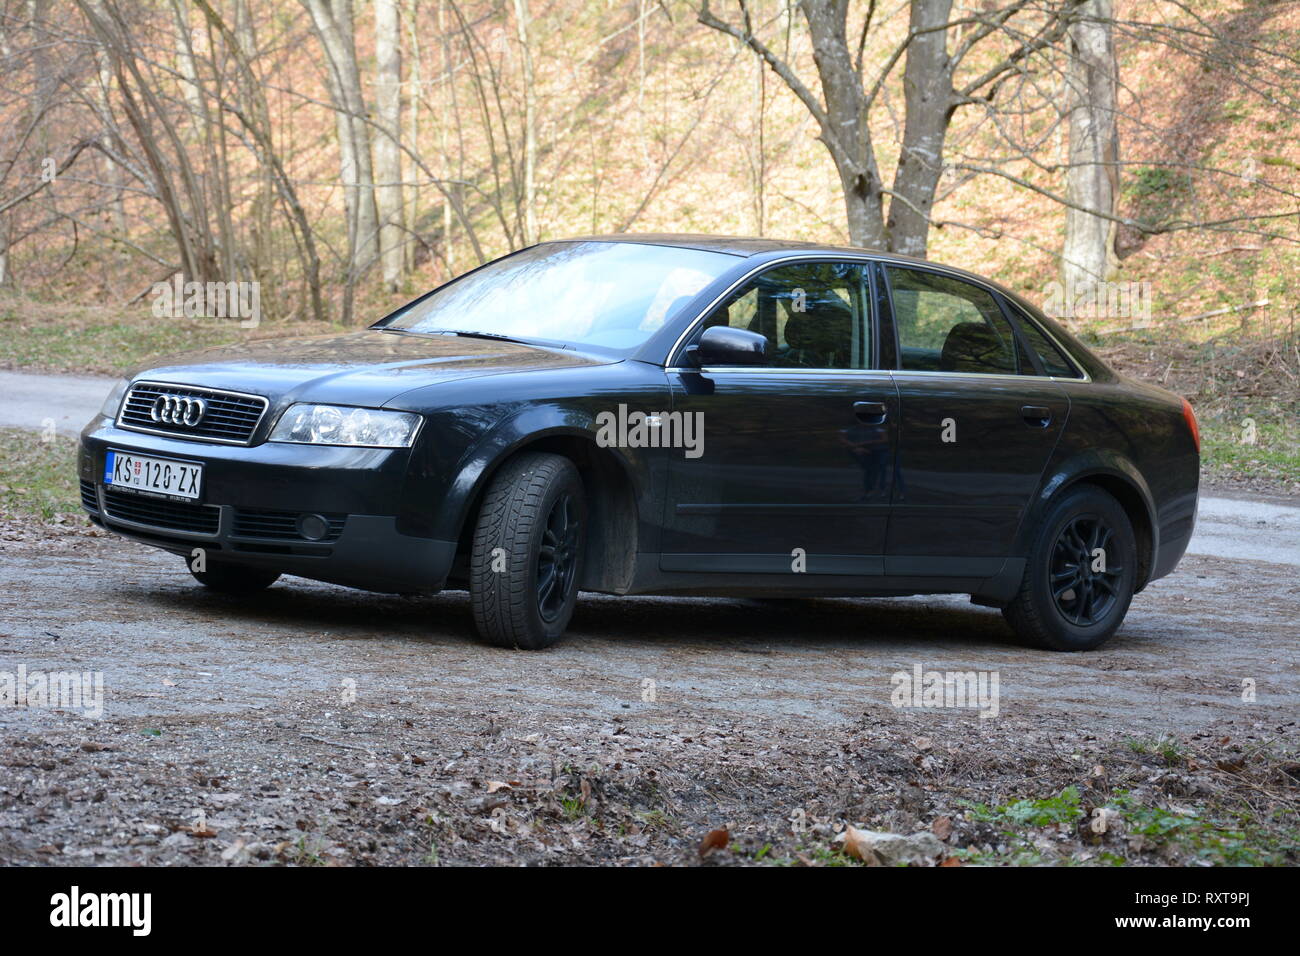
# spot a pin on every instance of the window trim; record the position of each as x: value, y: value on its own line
x: 1018, y: 317
x: 881, y: 262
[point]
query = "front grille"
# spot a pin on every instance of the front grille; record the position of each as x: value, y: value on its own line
x: 229, y: 417
x: 175, y: 516
x: 88, y: 500
x: 281, y: 525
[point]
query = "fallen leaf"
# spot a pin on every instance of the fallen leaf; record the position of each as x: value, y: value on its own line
x: 857, y: 845
x: 494, y: 785
x: 942, y: 827
x: 714, y: 840
x: 950, y: 861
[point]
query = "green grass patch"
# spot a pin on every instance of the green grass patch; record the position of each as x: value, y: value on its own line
x: 1061, y: 809
x: 1204, y: 834
x: 1216, y: 838
x: 1263, y: 445
x: 39, y: 477
x: 78, y: 338
x: 112, y: 345
x: 1166, y: 748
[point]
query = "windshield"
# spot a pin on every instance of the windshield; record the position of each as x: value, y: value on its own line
x: 611, y: 295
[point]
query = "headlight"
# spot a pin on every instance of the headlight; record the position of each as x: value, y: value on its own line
x: 341, y: 425
x: 114, y: 400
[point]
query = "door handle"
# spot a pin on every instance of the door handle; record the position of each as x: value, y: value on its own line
x: 870, y: 413
x: 1038, y: 415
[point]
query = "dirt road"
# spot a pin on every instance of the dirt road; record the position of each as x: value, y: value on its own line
x: 315, y: 724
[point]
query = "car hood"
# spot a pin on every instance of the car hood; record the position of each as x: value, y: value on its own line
x: 356, y: 368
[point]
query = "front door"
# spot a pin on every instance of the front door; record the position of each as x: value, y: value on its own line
x: 796, y: 467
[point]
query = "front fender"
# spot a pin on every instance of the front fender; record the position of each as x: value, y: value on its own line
x: 461, y: 447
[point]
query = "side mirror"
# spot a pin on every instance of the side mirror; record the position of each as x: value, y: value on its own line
x: 723, y: 345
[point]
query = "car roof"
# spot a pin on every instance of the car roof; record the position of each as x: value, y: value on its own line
x: 746, y: 246
x: 749, y: 246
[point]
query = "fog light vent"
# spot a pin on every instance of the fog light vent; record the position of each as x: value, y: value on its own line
x: 313, y: 527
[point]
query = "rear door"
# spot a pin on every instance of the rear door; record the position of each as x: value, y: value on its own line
x: 978, y: 422
x: 797, y: 462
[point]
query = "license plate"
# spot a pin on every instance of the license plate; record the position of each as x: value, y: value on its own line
x: 160, y: 476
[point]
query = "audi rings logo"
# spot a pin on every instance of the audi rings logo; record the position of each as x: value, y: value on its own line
x: 177, y: 410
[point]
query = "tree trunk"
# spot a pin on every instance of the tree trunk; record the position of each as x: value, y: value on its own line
x: 411, y: 212
x: 388, y: 150
x: 522, y: 23
x: 928, y: 98
x: 844, y: 129
x: 332, y: 20
x: 1093, y: 178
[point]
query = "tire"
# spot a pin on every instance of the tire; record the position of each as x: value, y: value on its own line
x: 535, y: 513
x: 235, y: 578
x: 1064, y: 602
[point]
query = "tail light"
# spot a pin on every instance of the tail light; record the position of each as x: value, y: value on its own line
x: 1190, y: 417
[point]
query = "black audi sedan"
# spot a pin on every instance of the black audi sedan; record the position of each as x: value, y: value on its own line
x: 664, y: 414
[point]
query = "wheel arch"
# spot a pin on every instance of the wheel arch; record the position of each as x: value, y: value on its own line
x: 1122, y: 481
x: 613, y: 516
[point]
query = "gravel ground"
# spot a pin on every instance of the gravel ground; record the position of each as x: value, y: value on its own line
x: 319, y: 725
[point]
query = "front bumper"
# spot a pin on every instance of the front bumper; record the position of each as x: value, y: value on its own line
x: 251, y: 497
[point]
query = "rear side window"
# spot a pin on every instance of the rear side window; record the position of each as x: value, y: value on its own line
x: 947, y: 325
x: 1054, y: 363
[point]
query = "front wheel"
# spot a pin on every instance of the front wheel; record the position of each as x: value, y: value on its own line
x: 1080, y: 574
x: 527, y: 552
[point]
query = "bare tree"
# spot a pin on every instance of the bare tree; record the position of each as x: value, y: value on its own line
x: 388, y: 141
x: 523, y: 21
x: 932, y: 96
x: 170, y: 172
x: 333, y: 23
x: 1092, y: 180
x: 254, y: 117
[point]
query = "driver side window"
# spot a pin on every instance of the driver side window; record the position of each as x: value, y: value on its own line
x: 811, y: 314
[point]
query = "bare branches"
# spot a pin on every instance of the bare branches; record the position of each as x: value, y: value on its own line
x: 779, y: 66
x: 64, y: 164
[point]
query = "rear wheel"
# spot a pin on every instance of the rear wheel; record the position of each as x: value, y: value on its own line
x: 1080, y: 574
x: 527, y: 552
x: 234, y: 578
